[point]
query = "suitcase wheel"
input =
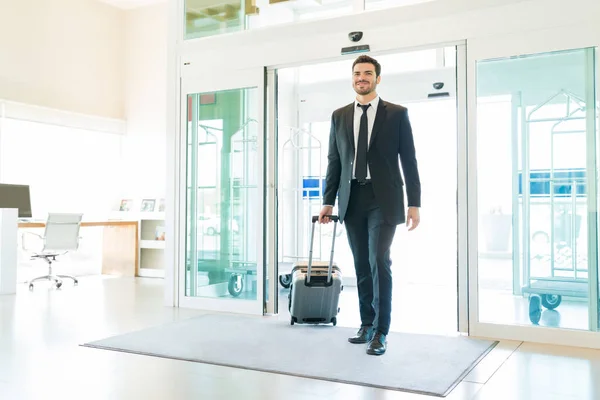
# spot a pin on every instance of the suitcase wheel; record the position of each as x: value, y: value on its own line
x: 334, y: 321
x: 292, y: 320
x: 285, y: 280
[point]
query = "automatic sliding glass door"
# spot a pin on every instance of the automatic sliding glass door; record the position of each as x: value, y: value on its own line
x: 534, y: 138
x: 224, y: 197
x: 426, y: 262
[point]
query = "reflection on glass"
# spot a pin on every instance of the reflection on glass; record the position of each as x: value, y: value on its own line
x: 223, y: 196
x: 534, y: 133
x: 214, y: 17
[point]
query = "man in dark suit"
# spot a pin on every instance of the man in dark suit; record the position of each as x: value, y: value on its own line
x: 369, y: 138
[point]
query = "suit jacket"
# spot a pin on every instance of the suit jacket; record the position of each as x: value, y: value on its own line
x: 391, y: 141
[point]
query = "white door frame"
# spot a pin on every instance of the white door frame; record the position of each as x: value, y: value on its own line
x: 485, y: 48
x: 272, y: 243
x: 462, y: 188
x: 193, y: 81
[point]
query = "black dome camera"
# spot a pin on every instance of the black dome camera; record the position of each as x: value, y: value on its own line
x: 438, y: 85
x: 355, y: 36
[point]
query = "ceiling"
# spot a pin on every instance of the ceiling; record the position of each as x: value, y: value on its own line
x: 130, y: 4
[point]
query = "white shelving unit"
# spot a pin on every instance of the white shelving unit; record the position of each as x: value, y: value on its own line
x: 151, y: 248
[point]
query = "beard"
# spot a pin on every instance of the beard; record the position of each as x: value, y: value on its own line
x: 363, y: 90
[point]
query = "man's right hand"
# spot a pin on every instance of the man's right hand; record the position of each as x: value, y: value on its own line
x: 326, y: 210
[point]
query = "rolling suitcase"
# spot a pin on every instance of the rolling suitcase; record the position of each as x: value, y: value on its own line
x: 315, y: 287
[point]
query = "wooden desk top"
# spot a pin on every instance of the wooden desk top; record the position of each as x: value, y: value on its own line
x: 42, y: 224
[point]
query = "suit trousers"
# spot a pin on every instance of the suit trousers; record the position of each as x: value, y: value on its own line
x: 370, y: 239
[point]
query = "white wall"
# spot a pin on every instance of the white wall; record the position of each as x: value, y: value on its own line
x: 62, y: 54
x: 145, y: 100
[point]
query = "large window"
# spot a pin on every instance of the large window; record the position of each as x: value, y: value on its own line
x: 205, y: 18
x: 213, y: 17
x: 68, y: 170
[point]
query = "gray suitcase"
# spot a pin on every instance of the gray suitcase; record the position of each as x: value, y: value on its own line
x: 315, y: 287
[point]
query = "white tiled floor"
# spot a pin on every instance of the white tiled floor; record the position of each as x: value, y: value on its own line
x: 40, y: 357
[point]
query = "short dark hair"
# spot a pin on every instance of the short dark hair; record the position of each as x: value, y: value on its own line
x: 364, y: 59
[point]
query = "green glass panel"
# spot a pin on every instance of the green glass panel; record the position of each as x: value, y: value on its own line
x: 223, y: 199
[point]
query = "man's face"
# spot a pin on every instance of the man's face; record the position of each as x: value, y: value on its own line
x: 364, y: 79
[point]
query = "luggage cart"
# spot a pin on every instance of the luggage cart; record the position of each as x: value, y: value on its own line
x: 232, y: 257
x: 300, y: 194
x: 205, y: 139
x: 243, y: 143
x: 563, y: 191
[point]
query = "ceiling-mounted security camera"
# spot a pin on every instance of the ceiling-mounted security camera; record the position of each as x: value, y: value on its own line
x: 358, y: 48
x: 355, y: 36
x: 438, y: 86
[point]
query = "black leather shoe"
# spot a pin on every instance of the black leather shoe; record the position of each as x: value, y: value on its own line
x: 378, y: 345
x: 364, y: 334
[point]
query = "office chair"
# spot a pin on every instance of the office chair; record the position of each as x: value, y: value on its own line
x: 60, y: 236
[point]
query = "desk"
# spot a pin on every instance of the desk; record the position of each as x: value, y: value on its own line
x: 120, y: 254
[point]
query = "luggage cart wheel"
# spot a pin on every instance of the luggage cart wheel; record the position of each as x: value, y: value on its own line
x: 551, y: 301
x: 236, y: 285
x: 285, y: 280
x: 334, y: 321
x: 535, y: 309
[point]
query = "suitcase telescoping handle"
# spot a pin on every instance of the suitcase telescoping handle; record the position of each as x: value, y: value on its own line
x: 315, y: 218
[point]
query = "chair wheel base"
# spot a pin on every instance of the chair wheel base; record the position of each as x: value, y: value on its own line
x: 56, y: 278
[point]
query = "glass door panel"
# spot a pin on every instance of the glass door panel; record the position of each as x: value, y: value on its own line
x: 224, y: 166
x: 536, y: 190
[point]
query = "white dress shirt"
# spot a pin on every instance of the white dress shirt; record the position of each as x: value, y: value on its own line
x: 371, y: 112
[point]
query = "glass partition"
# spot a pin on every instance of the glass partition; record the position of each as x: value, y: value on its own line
x: 224, y: 196
x: 214, y: 17
x: 537, y: 192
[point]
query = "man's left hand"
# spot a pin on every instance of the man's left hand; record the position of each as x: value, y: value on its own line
x: 412, y: 218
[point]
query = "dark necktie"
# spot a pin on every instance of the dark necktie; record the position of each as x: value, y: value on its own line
x: 361, y: 149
